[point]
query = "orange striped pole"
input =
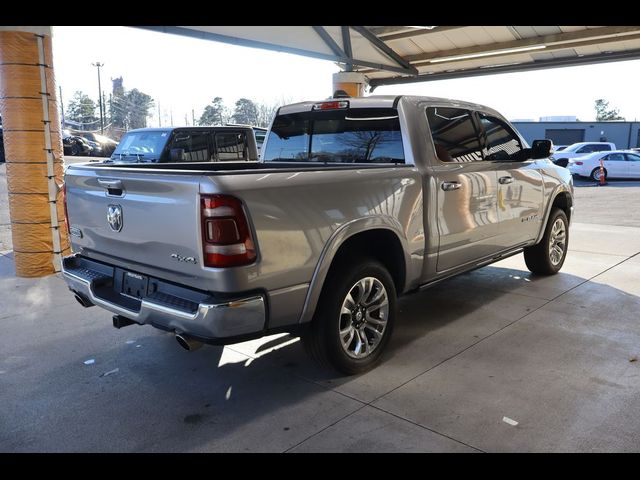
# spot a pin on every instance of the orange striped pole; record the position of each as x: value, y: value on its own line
x: 33, y: 150
x: 602, y: 175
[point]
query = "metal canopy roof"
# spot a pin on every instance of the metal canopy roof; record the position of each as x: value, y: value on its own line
x: 396, y: 54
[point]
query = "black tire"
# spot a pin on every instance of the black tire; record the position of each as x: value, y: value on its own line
x: 75, y: 149
x: 538, y: 257
x: 595, y: 174
x: 321, y: 337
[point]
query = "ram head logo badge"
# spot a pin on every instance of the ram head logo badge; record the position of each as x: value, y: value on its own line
x: 114, y: 217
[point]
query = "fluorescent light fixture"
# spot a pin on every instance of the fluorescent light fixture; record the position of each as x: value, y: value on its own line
x: 487, y: 54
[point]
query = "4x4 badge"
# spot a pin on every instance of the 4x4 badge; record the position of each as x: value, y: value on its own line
x: 114, y: 217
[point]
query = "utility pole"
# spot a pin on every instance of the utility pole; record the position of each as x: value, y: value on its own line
x: 159, y: 117
x: 193, y: 117
x: 186, y: 122
x: 172, y: 117
x: 98, y: 64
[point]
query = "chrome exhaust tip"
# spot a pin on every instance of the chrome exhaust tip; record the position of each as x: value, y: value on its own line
x: 188, y: 343
x: 82, y: 300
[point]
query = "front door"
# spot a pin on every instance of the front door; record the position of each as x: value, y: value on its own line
x: 616, y: 165
x: 633, y: 164
x: 465, y: 189
x: 520, y: 190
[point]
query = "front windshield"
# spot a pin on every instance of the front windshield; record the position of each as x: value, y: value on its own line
x: 144, y: 146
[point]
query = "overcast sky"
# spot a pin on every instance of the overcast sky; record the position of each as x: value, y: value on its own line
x: 184, y: 73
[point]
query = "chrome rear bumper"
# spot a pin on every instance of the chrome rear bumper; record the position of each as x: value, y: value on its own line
x: 207, y: 318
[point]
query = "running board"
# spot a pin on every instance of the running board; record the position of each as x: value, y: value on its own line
x: 483, y: 263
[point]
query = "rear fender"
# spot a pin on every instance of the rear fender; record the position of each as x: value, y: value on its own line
x: 332, y: 247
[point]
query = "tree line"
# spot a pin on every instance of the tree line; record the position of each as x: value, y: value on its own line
x: 246, y: 111
x: 125, y: 110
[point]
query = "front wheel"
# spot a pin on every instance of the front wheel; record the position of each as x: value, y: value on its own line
x: 547, y: 257
x: 354, y: 318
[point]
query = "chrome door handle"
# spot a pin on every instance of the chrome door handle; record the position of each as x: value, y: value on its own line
x: 505, y: 180
x: 447, y: 186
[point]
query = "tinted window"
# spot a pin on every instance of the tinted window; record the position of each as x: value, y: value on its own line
x: 615, y: 157
x: 289, y: 138
x: 501, y: 142
x: 455, y: 137
x: 195, y: 146
x: 633, y: 158
x: 230, y: 146
x: 357, y: 135
x: 594, y: 148
x: 141, y: 146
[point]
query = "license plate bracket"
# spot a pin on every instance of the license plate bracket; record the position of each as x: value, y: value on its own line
x: 134, y: 285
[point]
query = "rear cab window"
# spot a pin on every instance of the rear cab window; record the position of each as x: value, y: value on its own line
x: 352, y: 135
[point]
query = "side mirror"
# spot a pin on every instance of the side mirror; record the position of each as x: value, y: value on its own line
x: 541, y: 149
x: 177, y: 154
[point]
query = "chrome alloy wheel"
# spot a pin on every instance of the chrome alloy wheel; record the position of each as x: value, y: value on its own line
x: 363, y: 317
x: 557, y: 241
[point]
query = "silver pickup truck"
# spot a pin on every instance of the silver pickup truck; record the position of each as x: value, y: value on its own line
x: 354, y: 202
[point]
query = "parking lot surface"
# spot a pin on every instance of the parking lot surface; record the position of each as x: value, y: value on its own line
x: 495, y: 360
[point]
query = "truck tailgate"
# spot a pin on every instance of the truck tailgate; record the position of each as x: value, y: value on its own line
x: 160, y: 221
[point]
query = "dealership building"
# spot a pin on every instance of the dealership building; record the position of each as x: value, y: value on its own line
x: 623, y: 134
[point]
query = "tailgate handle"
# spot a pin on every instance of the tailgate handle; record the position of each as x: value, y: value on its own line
x: 114, y: 187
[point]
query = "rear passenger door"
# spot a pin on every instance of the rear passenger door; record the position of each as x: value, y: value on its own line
x: 520, y: 190
x: 465, y: 189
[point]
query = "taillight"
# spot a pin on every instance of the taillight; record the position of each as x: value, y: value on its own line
x: 226, y: 237
x: 578, y: 163
x: 64, y: 201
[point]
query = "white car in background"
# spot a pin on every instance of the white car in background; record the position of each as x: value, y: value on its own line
x: 617, y: 164
x: 561, y: 157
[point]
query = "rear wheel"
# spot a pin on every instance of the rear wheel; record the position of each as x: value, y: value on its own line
x: 595, y: 174
x: 547, y: 257
x: 354, y: 318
